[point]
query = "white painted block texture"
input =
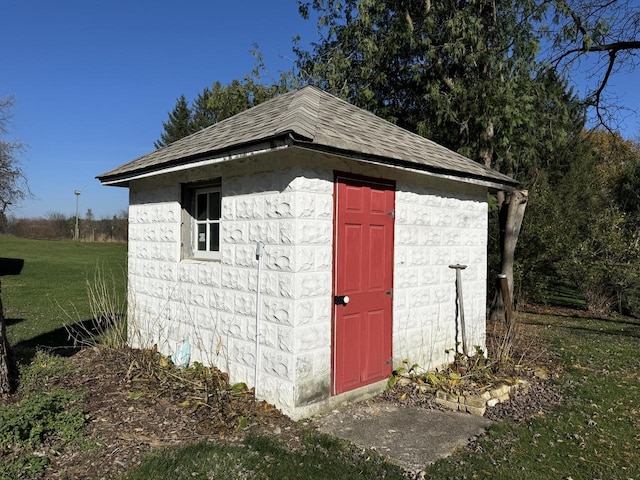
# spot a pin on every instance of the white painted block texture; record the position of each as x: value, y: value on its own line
x: 213, y: 304
x: 290, y: 209
x: 434, y: 229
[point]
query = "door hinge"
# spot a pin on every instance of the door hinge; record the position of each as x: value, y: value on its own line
x: 389, y: 292
x: 392, y: 213
x: 390, y: 361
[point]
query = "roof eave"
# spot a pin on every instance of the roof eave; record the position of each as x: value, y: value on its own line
x: 289, y: 139
x: 206, y: 158
x: 504, y: 183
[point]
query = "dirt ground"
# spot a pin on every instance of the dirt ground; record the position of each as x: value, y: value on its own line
x: 133, y: 408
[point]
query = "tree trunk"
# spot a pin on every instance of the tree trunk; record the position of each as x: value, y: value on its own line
x: 511, y: 213
x: 485, y: 153
x: 8, y: 368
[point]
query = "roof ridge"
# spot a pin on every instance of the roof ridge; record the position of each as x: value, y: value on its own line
x: 301, y: 115
x: 232, y: 118
x: 394, y: 131
x: 319, y: 120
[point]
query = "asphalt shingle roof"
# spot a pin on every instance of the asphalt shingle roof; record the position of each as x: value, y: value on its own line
x: 315, y: 119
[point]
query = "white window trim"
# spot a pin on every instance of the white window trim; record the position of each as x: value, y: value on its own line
x: 190, y: 223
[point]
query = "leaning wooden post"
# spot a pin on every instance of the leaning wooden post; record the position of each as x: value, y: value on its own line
x: 504, y: 289
x: 7, y: 362
x: 8, y: 367
x: 510, y: 327
x: 460, y: 306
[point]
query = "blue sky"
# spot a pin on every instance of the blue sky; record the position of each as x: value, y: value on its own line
x: 93, y: 81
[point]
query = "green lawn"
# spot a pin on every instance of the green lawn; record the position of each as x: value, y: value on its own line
x: 565, y: 294
x: 318, y: 457
x: 595, y: 435
x: 52, y: 289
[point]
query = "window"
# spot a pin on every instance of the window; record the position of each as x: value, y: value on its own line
x: 202, y: 209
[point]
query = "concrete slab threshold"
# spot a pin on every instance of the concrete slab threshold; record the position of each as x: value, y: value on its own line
x: 409, y: 437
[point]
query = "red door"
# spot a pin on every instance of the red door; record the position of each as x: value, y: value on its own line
x: 363, y: 273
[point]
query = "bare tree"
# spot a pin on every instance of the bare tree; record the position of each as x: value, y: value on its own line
x: 13, y: 185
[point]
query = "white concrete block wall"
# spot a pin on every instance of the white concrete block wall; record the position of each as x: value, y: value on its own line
x: 154, y: 239
x: 213, y: 304
x: 434, y: 229
x: 290, y: 209
x: 295, y: 223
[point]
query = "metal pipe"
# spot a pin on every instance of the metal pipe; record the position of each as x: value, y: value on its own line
x: 76, y: 233
x: 259, y: 252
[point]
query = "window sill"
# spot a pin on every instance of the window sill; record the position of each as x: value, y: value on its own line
x: 216, y: 259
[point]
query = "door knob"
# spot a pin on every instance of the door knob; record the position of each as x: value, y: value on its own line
x: 341, y: 300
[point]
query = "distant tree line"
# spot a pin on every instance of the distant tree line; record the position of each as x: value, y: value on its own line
x: 58, y: 226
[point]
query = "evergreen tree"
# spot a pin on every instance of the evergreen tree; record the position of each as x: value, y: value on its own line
x: 227, y: 100
x: 460, y: 73
x: 179, y: 125
x: 224, y: 101
x: 203, y: 114
x: 213, y: 105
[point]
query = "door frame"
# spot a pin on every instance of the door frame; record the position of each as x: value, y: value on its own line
x: 389, y: 184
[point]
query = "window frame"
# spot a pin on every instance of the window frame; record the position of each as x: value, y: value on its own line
x: 192, y: 223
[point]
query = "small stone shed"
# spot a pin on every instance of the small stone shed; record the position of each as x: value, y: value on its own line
x: 323, y: 228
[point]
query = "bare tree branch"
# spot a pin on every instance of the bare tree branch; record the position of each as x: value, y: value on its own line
x: 587, y: 28
x: 603, y: 84
x: 611, y: 47
x: 13, y: 184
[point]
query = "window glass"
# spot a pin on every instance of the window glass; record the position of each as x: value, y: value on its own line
x: 202, y: 237
x: 214, y: 205
x: 201, y: 206
x: 214, y: 239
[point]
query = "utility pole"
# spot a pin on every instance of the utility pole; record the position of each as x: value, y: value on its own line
x: 76, y: 233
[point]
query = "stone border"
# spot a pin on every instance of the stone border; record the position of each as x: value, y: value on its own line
x: 476, y: 404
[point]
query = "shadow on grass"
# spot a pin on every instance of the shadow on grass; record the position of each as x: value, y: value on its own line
x: 13, y: 321
x: 59, y: 341
x: 565, y: 294
x: 626, y: 327
x: 318, y: 456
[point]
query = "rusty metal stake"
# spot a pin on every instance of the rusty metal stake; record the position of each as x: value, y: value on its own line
x: 460, y: 307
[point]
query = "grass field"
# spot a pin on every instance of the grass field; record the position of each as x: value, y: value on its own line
x: 564, y: 294
x: 596, y: 434
x: 320, y: 457
x: 52, y: 289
